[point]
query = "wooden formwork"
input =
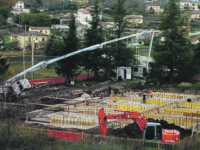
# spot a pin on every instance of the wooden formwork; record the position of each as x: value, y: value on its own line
x: 170, y: 95
x: 128, y: 105
x: 73, y: 120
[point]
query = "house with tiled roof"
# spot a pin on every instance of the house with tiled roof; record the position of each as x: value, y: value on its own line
x: 84, y: 17
x: 30, y: 39
x: 194, y: 15
x: 155, y: 6
x: 189, y: 4
x: 107, y: 24
x: 44, y: 30
x: 133, y: 20
x: 19, y: 8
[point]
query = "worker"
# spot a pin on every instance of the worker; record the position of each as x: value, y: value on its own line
x: 102, y: 121
x: 109, y: 90
x: 151, y: 94
x: 144, y: 98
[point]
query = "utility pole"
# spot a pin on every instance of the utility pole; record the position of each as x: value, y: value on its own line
x: 24, y: 54
x: 32, y: 53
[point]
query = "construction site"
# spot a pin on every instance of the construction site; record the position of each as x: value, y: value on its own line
x: 77, y: 110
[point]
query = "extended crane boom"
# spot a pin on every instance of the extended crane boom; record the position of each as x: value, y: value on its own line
x: 47, y: 62
x: 14, y: 89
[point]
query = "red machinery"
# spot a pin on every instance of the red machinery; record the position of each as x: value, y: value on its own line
x: 151, y: 131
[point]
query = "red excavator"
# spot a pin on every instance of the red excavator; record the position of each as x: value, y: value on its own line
x: 151, y: 130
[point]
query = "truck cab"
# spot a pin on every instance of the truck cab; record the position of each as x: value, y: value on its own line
x: 152, y: 131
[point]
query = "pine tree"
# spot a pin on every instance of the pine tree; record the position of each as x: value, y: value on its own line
x: 4, y: 65
x: 172, y: 56
x: 94, y: 35
x: 122, y: 54
x: 68, y: 66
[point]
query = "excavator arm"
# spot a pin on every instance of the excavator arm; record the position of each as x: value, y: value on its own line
x: 136, y: 116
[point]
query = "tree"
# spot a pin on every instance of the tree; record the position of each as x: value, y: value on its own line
x: 54, y: 45
x: 122, y: 54
x: 172, y: 56
x: 5, y: 12
x: 94, y: 35
x: 68, y: 67
x: 5, y: 70
x: 36, y: 19
x: 196, y: 60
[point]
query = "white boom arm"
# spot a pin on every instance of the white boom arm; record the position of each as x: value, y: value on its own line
x: 47, y: 62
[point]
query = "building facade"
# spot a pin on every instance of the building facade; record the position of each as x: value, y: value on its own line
x: 19, y: 8
x: 133, y: 20
x: 154, y: 6
x: 32, y: 39
x: 44, y: 30
x: 189, y: 4
x: 194, y: 15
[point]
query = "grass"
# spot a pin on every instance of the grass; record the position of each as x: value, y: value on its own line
x: 141, y: 47
x: 40, y: 73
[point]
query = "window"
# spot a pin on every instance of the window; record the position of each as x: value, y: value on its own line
x: 36, y: 38
x: 159, y: 131
x: 29, y: 39
x: 43, y: 39
x: 150, y: 133
x: 135, y: 69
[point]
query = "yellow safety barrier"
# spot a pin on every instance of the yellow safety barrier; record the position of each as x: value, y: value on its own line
x: 187, y: 122
x: 156, y: 102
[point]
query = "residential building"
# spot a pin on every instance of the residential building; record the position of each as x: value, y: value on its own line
x: 194, y: 15
x: 194, y: 41
x: 189, y: 4
x: 19, y: 8
x: 154, y: 6
x: 133, y: 20
x: 106, y: 24
x: 44, y: 30
x: 84, y: 17
x: 30, y: 39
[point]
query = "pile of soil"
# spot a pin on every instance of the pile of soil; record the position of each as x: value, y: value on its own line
x: 133, y: 130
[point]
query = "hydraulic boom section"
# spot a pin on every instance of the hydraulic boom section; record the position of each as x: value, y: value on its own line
x: 136, y: 116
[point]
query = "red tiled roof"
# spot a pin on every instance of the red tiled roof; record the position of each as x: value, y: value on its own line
x: 84, y: 11
x: 106, y: 24
x: 195, y: 12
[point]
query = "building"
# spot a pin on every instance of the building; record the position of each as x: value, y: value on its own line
x: 84, y: 17
x: 19, y: 8
x: 194, y: 41
x: 133, y: 20
x: 138, y: 71
x: 107, y: 24
x: 63, y: 28
x: 44, y: 30
x: 123, y: 73
x: 194, y: 15
x: 189, y: 4
x: 154, y: 6
x: 30, y: 39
